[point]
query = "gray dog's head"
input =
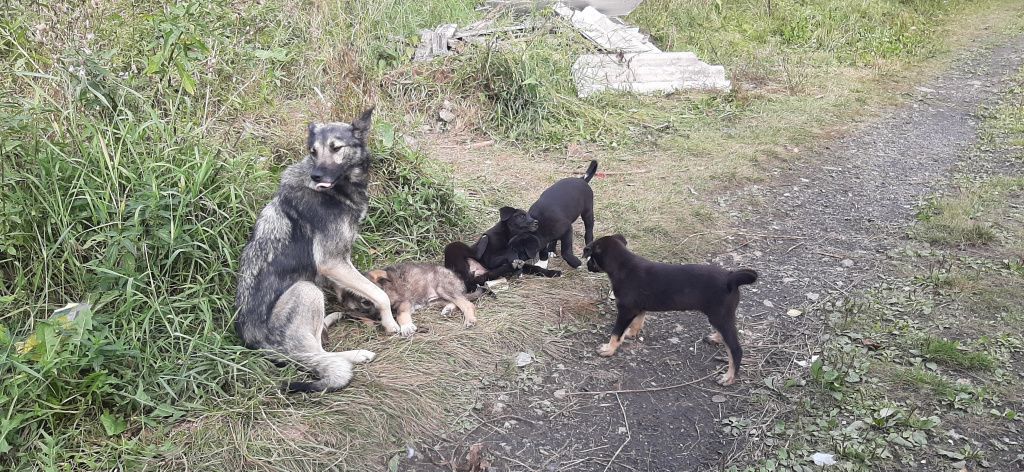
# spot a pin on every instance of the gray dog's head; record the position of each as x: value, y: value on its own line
x: 338, y: 151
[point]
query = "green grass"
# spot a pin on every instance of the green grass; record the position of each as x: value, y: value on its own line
x: 139, y: 140
x: 130, y: 179
x: 974, y: 215
x: 953, y: 354
x: 919, y: 377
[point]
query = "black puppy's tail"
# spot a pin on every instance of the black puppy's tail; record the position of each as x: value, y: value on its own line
x: 456, y: 259
x: 741, y: 277
x: 590, y: 171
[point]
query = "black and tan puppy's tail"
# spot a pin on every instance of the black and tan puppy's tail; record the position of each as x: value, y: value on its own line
x: 591, y: 171
x: 741, y: 277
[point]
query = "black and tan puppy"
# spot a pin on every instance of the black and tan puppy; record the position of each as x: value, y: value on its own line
x: 641, y: 285
x: 558, y: 207
x: 411, y: 286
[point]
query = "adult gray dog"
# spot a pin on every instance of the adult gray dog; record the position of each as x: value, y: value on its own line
x: 303, y: 240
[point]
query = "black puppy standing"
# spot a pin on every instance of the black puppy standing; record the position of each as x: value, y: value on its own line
x: 641, y: 285
x: 558, y: 207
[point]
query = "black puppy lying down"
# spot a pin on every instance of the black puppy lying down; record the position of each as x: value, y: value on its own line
x: 501, y: 250
x: 641, y: 285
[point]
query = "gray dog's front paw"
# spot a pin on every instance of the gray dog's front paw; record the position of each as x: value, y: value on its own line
x: 407, y: 330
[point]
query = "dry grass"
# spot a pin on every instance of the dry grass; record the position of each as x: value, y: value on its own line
x: 412, y: 390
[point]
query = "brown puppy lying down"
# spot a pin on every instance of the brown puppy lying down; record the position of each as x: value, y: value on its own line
x: 411, y: 286
x: 641, y: 285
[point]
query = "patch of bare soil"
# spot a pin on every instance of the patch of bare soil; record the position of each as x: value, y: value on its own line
x: 823, y: 224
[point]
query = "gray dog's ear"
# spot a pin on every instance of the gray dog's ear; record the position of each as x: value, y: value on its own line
x: 361, y: 126
x: 311, y: 137
x: 620, y: 238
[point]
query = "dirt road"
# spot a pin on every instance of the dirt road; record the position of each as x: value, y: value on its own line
x: 821, y: 224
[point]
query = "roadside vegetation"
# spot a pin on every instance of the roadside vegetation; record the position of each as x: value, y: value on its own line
x: 924, y: 370
x: 139, y: 139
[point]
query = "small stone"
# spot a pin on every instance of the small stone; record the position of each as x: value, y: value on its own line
x: 846, y: 262
x: 674, y: 340
x: 497, y: 284
x: 787, y: 280
x: 560, y: 394
x: 446, y: 115
x: 498, y: 408
x: 622, y: 430
x: 524, y: 359
x: 793, y: 313
x: 718, y: 398
x: 812, y: 296
x: 821, y: 458
x: 769, y: 304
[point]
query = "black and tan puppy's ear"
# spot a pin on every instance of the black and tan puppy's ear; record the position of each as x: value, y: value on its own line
x: 506, y: 213
x: 620, y: 238
x: 589, y: 250
x: 361, y: 126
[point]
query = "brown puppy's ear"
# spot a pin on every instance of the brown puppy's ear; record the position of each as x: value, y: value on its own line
x: 361, y: 125
x: 378, y: 276
x: 620, y: 238
x: 506, y: 213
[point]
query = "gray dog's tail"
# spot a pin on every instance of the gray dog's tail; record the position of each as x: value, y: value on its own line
x: 741, y: 277
x: 590, y: 171
x: 333, y: 369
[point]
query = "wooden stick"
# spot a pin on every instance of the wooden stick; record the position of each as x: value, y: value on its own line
x: 629, y: 435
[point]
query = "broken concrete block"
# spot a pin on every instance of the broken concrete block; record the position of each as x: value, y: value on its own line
x: 611, y: 35
x: 434, y: 42
x: 646, y: 73
x: 607, y: 7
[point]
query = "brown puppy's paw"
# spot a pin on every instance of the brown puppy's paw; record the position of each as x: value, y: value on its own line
x: 605, y: 350
x: 469, y: 322
x: 726, y: 379
x: 714, y: 338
